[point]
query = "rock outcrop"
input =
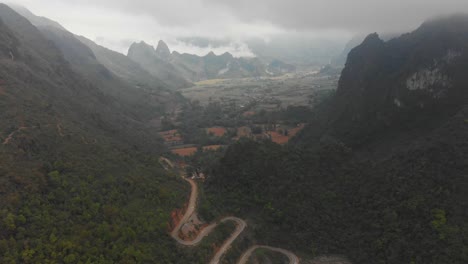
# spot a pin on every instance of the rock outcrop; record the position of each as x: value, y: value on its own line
x: 404, y: 81
x: 162, y: 50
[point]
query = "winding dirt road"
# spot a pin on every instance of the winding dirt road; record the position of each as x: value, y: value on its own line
x: 240, y: 226
x: 293, y: 259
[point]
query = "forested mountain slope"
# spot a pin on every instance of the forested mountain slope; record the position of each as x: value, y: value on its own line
x: 148, y: 99
x: 380, y: 173
x: 113, y: 73
x: 123, y: 66
x: 79, y: 173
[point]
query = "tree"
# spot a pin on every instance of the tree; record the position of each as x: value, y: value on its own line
x: 9, y: 222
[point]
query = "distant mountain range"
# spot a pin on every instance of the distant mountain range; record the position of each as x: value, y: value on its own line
x: 194, y: 68
x: 144, y: 63
x: 87, y: 56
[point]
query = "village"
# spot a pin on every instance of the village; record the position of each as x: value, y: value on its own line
x: 279, y: 134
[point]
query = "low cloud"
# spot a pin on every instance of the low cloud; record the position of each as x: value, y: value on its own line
x: 355, y: 16
x: 115, y: 23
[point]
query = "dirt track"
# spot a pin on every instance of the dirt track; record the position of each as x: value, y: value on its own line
x: 240, y: 226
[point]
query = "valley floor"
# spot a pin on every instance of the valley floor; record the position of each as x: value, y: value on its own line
x: 298, y: 89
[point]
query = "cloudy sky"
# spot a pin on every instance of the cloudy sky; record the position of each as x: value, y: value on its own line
x: 118, y: 23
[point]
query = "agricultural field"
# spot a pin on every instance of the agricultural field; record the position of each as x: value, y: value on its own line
x: 269, y: 93
x: 184, y: 152
x: 220, y: 112
x: 216, y: 131
x: 280, y: 135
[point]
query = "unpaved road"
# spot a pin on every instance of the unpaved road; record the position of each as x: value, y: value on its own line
x: 293, y: 259
x: 190, y: 210
x: 240, y: 226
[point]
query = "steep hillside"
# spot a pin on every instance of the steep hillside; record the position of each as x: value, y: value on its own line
x: 113, y: 73
x: 147, y: 97
x: 35, y: 20
x: 146, y: 56
x: 79, y: 173
x: 380, y: 173
x: 403, y: 87
x: 123, y: 67
x: 117, y: 63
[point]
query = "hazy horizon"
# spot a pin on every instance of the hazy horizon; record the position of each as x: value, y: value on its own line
x: 226, y: 26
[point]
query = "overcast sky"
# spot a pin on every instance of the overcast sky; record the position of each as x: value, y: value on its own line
x: 118, y: 23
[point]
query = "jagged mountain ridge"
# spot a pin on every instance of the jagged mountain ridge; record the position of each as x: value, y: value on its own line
x: 123, y: 67
x: 118, y: 64
x: 149, y: 100
x: 211, y: 66
x: 412, y: 81
x: 146, y: 56
x: 163, y: 50
x: 114, y: 73
x: 37, y: 67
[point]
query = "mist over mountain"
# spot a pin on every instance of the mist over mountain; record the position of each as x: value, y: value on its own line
x: 424, y: 77
x: 34, y: 19
x: 149, y: 59
x: 163, y: 50
x: 257, y: 132
x: 115, y: 24
x: 110, y: 71
x: 196, y: 68
x: 293, y: 48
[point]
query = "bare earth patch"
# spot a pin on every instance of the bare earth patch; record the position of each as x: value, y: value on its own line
x: 184, y: 152
x: 217, y: 131
x: 212, y: 147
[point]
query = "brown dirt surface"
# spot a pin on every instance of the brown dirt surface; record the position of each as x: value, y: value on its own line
x: 171, y: 135
x: 278, y: 138
x: 212, y: 147
x: 184, y: 152
x: 217, y: 131
x: 176, y: 216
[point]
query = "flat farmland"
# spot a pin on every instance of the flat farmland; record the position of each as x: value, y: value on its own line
x: 184, y: 152
x: 298, y: 89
